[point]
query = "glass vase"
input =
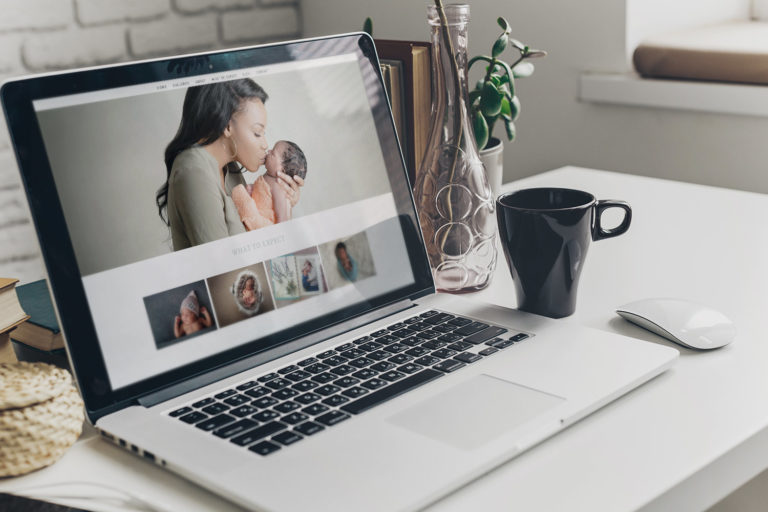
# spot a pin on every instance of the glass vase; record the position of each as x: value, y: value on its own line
x: 453, y: 198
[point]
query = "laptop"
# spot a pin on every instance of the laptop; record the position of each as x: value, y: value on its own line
x: 302, y: 360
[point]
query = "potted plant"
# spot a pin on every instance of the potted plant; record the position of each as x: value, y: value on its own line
x: 494, y: 99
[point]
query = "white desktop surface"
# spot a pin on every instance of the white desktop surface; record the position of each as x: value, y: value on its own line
x: 680, y: 442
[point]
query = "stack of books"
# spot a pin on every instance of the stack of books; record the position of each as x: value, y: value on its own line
x: 407, y: 73
x: 41, y: 331
x: 11, y: 316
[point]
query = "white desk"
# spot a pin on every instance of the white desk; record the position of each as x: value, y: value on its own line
x: 681, y: 442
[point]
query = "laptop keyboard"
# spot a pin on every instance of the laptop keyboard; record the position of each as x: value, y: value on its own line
x: 299, y: 400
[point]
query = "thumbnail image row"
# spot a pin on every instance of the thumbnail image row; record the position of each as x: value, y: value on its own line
x: 216, y: 302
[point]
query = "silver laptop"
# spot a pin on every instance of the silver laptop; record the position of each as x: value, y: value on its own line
x: 306, y: 358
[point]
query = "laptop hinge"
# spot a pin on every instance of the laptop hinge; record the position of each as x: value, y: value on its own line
x: 247, y: 363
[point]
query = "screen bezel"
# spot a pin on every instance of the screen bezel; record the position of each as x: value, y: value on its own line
x: 58, y: 253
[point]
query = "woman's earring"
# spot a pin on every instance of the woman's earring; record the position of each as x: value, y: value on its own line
x: 234, y: 153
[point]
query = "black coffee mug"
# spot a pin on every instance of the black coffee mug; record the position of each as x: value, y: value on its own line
x: 545, y: 233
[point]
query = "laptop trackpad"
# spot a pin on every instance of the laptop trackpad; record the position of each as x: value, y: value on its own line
x: 475, y: 412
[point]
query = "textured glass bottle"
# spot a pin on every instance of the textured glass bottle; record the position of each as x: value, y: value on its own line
x: 456, y: 209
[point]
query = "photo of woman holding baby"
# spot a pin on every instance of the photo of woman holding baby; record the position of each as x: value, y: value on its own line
x: 222, y: 129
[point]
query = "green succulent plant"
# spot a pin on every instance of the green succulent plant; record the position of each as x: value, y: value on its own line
x: 494, y: 98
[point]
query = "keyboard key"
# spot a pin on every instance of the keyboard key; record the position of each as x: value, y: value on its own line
x: 285, y: 394
x: 308, y: 361
x: 370, y: 346
x: 193, y: 417
x: 377, y: 397
x: 395, y: 348
x: 288, y: 369
x: 308, y: 428
x: 243, y: 411
x: 471, y: 328
x: 438, y: 318
x: 203, y: 402
x: 375, y: 383
x: 307, y: 398
x: 402, y: 333
x: 428, y: 313
x: 485, y: 334
x: 433, y: 344
x: 236, y: 400
x: 443, y: 328
x: 428, y: 335
x: 225, y: 394
x: 294, y: 417
x: 354, y: 392
x: 315, y: 409
x: 180, y: 412
x: 264, y: 448
x: 519, y: 337
x: 400, y: 358
x: 267, y: 377
x: 460, y: 346
x: 378, y: 355
x: 324, y: 377
x: 450, y: 338
x: 335, y: 360
x: 411, y: 341
x: 488, y: 351
x: 363, y: 339
x: 346, y: 381
x: 335, y: 400
x: 345, y: 346
x: 332, y: 418
x: 286, y: 407
x: 215, y: 408
x: 264, y: 402
x: 258, y: 392
x: 396, y: 327
x: 326, y: 354
x: 503, y: 344
x: 298, y: 375
x: 427, y: 360
x: 421, y: 326
x: 386, y: 340
x: 360, y: 362
x: 365, y: 373
x: 467, y: 357
x: 343, y: 369
x: 392, y: 375
x: 317, y: 368
x: 259, y: 433
x: 417, y: 351
x: 443, y: 353
x: 234, y: 429
x: 327, y: 389
x: 379, y: 333
x: 382, y: 366
x: 287, y: 437
x: 460, y: 321
x: 449, y: 365
x: 278, y: 383
x: 247, y: 385
x: 410, y: 368
x: 493, y: 342
x: 412, y: 320
x: 264, y: 416
x: 215, y: 422
x: 305, y: 385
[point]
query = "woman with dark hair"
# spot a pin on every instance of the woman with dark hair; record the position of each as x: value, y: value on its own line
x: 222, y: 125
x: 346, y: 264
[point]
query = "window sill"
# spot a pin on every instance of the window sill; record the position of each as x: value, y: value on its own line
x: 632, y: 90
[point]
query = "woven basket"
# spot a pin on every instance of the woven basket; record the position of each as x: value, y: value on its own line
x: 41, y: 416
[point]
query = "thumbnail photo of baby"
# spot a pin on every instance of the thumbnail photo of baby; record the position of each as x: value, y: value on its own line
x: 240, y: 294
x: 347, y: 260
x: 265, y: 202
x: 297, y: 276
x: 179, y: 314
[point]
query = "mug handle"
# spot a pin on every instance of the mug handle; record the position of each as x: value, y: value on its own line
x: 599, y: 233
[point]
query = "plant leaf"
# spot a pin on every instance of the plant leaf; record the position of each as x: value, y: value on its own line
x: 474, y: 95
x: 503, y: 24
x: 514, y: 108
x: 523, y: 70
x: 534, y: 54
x: 480, y: 128
x: 517, y: 44
x: 505, y: 111
x: 500, y: 45
x: 509, y: 126
x: 368, y: 26
x: 490, y: 101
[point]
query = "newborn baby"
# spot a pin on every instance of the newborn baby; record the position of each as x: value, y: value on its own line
x: 192, y: 317
x: 265, y: 202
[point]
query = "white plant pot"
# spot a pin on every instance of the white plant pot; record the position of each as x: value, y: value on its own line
x: 493, y: 160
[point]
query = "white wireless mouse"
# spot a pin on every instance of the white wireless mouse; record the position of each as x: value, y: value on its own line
x: 686, y: 323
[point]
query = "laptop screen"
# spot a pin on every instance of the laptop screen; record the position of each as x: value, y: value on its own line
x: 187, y: 241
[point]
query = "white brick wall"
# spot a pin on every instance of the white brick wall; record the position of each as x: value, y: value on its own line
x: 43, y: 35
